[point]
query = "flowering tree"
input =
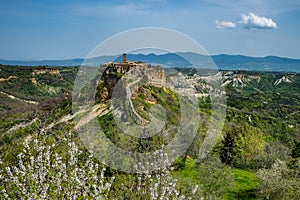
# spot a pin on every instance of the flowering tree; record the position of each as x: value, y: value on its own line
x: 160, y: 184
x: 59, y: 171
x: 42, y: 173
x: 153, y: 181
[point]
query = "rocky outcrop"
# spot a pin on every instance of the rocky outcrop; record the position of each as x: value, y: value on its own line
x: 46, y: 70
x: 153, y: 75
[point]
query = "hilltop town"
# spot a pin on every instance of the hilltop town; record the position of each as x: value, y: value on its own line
x: 132, y: 71
x: 156, y: 75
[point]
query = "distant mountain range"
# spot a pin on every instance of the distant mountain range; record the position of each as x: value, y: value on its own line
x: 186, y: 59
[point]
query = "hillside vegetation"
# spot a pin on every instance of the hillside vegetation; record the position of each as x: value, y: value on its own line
x: 257, y: 157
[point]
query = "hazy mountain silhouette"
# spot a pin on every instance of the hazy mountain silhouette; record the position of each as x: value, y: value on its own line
x: 185, y: 59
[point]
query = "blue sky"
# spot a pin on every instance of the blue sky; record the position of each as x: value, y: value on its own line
x: 59, y: 29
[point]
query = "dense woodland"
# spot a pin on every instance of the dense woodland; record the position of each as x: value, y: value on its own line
x: 257, y: 157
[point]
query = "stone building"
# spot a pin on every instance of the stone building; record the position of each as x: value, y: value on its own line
x: 156, y: 75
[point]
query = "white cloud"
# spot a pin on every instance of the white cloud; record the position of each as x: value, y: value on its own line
x: 252, y: 21
x: 225, y: 25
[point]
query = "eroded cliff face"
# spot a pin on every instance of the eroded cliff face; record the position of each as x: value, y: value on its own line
x: 153, y: 75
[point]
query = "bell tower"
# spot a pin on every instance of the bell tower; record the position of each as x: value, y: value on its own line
x: 124, y: 57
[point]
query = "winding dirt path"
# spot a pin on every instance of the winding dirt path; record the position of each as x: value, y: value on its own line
x: 65, y: 118
x: 14, y: 97
x: 22, y: 125
x: 95, y: 112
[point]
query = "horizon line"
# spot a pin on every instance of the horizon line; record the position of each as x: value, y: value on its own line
x: 146, y: 54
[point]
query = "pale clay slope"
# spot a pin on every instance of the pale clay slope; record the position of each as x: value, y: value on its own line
x: 283, y: 79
